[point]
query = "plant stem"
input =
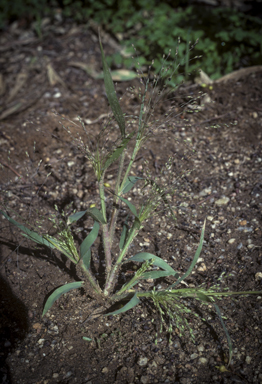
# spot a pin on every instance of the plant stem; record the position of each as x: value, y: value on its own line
x: 116, y: 198
x: 106, y: 238
x: 107, y: 248
x: 135, y: 151
x: 110, y: 278
x: 102, y: 195
x: 91, y: 278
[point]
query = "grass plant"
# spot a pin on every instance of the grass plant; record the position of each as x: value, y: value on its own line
x: 171, y: 301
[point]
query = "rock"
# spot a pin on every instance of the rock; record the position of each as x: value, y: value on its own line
x: 231, y: 241
x: 258, y: 276
x: 205, y: 192
x: 202, y: 360
x: 200, y: 348
x: 142, y: 361
x: 194, y: 356
x: 248, y: 359
x: 223, y: 201
x: 144, y: 379
x: 202, y: 267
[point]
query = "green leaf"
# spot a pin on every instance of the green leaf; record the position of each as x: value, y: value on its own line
x: 30, y: 234
x: 85, y: 252
x: 197, y: 254
x: 130, y: 182
x: 130, y: 205
x: 96, y: 215
x: 117, y: 152
x: 111, y: 93
x: 226, y: 332
x: 158, y: 274
x: 76, y: 216
x: 132, y: 303
x: 142, y: 256
x: 60, y: 291
x: 123, y: 235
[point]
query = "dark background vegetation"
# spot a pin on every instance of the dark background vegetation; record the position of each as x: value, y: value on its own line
x: 229, y: 32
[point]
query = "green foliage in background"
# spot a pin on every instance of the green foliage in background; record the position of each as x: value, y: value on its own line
x: 228, y: 39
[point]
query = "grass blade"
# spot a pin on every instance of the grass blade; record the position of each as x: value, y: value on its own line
x: 123, y: 235
x: 117, y: 152
x: 129, y: 184
x: 60, y: 291
x: 89, y: 240
x: 42, y: 240
x: 96, y: 215
x: 203, y: 297
x: 111, y: 93
x: 143, y: 256
x: 158, y: 274
x: 226, y: 332
x: 76, y: 216
x: 132, y: 303
x: 130, y: 205
x: 197, y: 254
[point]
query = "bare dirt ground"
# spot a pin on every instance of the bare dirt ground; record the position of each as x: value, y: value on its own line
x: 224, y: 185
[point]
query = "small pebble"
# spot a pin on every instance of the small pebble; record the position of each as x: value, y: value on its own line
x: 142, y: 361
x: 203, y: 360
x: 223, y: 201
x: 194, y: 356
x: 258, y: 276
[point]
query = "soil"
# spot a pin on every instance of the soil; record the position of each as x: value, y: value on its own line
x: 217, y: 157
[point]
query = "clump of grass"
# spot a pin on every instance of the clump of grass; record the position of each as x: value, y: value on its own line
x: 170, y: 301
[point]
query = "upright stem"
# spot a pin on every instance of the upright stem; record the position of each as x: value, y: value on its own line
x: 102, y: 195
x: 133, y: 157
x: 111, y: 277
x: 91, y: 278
x: 106, y: 238
x: 116, y: 198
x: 107, y: 248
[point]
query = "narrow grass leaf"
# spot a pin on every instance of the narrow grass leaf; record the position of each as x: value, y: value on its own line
x: 96, y: 215
x: 60, y: 291
x: 117, y: 152
x: 42, y: 240
x: 206, y: 299
x: 130, y: 205
x: 129, y: 184
x: 226, y: 332
x: 158, y: 274
x: 142, y: 256
x: 123, y: 235
x: 132, y: 303
x: 197, y: 254
x: 111, y: 93
x: 76, y: 216
x: 89, y: 240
